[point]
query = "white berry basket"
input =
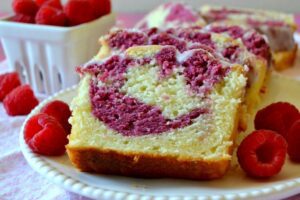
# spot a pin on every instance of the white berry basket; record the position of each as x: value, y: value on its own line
x: 46, y: 56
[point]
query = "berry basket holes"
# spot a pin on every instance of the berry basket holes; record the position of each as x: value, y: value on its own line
x: 23, y: 73
x: 57, y: 80
x: 39, y: 79
x: 59, y: 77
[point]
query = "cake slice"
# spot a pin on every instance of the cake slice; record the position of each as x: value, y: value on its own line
x: 154, y: 112
x: 258, y: 61
x: 278, y: 27
x: 169, y: 15
x: 237, y: 45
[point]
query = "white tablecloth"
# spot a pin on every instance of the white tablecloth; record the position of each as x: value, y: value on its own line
x: 17, y: 180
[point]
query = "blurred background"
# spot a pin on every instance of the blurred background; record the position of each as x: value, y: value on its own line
x: 145, y: 5
x: 128, y: 10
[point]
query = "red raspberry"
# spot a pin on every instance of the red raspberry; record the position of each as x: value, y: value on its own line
x: 25, y: 7
x: 278, y: 117
x: 23, y: 18
x: 79, y: 11
x: 52, y: 3
x: 44, y: 135
x: 293, y: 139
x: 20, y: 101
x: 101, y: 7
x: 48, y: 15
x: 262, y: 153
x: 40, y: 2
x: 60, y: 111
x: 8, y: 82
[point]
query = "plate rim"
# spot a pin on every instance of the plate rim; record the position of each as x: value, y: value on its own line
x: 55, y: 176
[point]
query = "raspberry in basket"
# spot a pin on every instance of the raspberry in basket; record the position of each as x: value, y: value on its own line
x: 52, y: 3
x: 48, y: 15
x: 23, y: 18
x: 101, y: 7
x: 79, y: 11
x: 25, y: 7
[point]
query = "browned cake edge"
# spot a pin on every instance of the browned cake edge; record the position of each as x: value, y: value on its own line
x: 145, y: 166
x: 97, y: 160
x: 284, y: 59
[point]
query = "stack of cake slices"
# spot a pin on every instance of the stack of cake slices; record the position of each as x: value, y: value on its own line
x: 279, y: 28
x: 232, y: 43
x: 167, y: 102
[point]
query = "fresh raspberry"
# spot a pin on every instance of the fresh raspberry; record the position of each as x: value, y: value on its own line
x: 101, y: 7
x: 79, y: 11
x: 23, y: 19
x: 48, y: 15
x: 44, y: 135
x: 293, y: 139
x: 40, y: 2
x: 20, y: 101
x: 278, y: 117
x: 262, y: 153
x: 25, y: 7
x: 60, y: 111
x: 52, y: 3
x: 8, y: 82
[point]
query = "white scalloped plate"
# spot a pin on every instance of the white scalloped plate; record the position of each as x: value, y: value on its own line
x: 235, y: 185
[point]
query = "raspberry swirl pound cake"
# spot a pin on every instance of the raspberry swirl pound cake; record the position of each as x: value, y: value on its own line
x: 278, y: 27
x: 236, y: 45
x: 152, y: 111
x: 259, y: 64
x: 169, y: 15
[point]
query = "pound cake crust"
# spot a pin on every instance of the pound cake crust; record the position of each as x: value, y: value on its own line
x: 145, y: 166
x: 284, y: 59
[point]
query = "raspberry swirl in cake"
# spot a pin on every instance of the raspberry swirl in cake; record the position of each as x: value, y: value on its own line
x: 234, y: 44
x: 222, y: 39
x: 133, y: 116
x: 254, y: 42
x: 152, y: 111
